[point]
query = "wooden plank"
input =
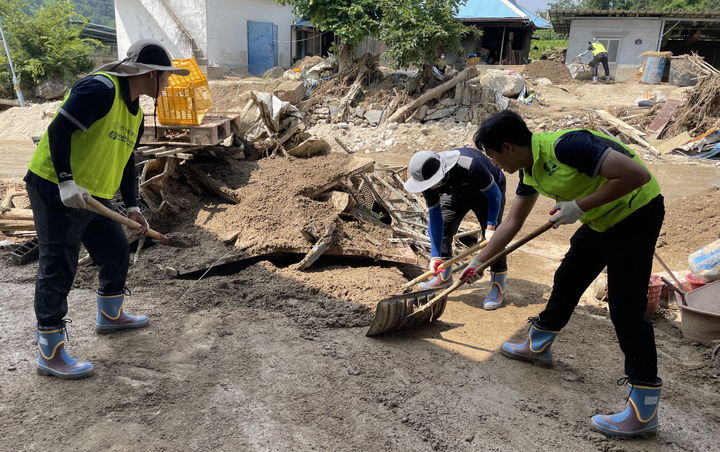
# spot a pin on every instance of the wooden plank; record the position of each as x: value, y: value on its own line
x: 667, y: 146
x: 627, y: 130
x: 16, y: 214
x: 318, y: 249
x: 207, y: 181
x: 364, y: 168
x: 662, y: 118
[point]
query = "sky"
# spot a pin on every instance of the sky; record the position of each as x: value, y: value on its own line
x: 533, y: 5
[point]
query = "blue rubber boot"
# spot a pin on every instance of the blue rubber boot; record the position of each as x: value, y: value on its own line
x: 640, y: 417
x: 497, y: 294
x: 54, y: 360
x: 536, y: 349
x: 112, y: 318
x: 441, y: 280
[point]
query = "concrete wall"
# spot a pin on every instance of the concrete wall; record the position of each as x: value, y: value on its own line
x: 219, y: 27
x: 139, y: 19
x: 227, y: 31
x: 629, y: 30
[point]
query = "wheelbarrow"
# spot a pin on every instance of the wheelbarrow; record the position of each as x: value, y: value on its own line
x: 406, y: 311
x: 699, y: 308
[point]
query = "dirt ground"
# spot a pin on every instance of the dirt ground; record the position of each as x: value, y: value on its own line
x: 264, y: 357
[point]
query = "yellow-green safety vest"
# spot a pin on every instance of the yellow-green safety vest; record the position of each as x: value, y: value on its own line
x: 598, y: 48
x: 98, y: 155
x: 562, y: 182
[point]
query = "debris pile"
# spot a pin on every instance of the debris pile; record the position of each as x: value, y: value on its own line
x: 701, y: 110
x: 555, y: 71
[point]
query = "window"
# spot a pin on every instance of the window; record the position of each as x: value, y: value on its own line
x: 613, y: 48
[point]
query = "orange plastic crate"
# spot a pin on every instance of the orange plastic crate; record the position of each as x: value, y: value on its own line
x: 187, y: 98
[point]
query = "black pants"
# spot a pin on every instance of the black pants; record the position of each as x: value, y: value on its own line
x: 627, y: 251
x: 600, y: 58
x: 60, y: 232
x: 454, y: 210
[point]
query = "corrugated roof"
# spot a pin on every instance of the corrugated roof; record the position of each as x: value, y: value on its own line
x: 561, y: 18
x: 496, y: 10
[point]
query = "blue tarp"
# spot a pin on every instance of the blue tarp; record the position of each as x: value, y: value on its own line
x: 498, y: 9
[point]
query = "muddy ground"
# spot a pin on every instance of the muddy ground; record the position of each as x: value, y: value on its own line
x: 263, y: 357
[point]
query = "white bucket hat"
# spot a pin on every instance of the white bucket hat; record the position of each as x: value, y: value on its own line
x: 427, y: 168
x: 145, y: 55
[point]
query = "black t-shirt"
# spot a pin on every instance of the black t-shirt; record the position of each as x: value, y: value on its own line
x: 581, y: 150
x: 471, y: 175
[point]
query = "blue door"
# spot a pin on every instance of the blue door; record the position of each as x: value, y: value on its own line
x: 262, y: 46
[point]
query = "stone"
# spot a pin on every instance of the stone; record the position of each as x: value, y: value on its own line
x: 507, y: 83
x: 440, y: 114
x: 373, y: 116
x: 392, y: 126
x: 462, y: 114
x: 543, y: 81
x: 360, y: 112
x: 274, y: 72
x: 333, y: 110
x: 322, y: 111
x: 421, y: 112
x: 343, y: 125
x: 448, y: 102
x: 290, y: 91
x: 52, y: 89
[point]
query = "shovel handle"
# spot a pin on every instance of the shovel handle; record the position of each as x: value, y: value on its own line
x: 99, y: 208
x: 445, y: 264
x: 667, y: 269
x: 492, y: 260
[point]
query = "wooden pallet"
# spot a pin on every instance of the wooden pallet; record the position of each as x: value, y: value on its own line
x: 211, y: 132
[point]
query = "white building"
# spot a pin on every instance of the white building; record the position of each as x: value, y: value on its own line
x: 249, y: 34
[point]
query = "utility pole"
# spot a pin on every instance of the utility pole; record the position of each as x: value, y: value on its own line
x: 16, y: 85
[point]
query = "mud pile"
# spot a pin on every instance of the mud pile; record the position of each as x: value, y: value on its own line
x: 691, y: 222
x: 555, y: 71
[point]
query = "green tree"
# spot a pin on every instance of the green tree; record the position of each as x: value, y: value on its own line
x: 416, y: 32
x: 44, y: 45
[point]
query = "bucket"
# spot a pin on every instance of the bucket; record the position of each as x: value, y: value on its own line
x: 654, y: 290
x: 654, y: 69
x: 693, y: 283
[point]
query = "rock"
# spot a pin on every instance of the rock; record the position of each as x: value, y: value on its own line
x: 373, y: 116
x: 343, y: 125
x: 421, y: 112
x: 448, y: 102
x: 508, y: 83
x: 291, y: 75
x: 440, y: 114
x: 333, y: 110
x: 543, y: 81
x: 462, y: 115
x: 290, y: 91
x: 52, y: 89
x: 392, y: 126
x: 322, y: 111
x: 274, y: 72
x: 389, y: 142
x: 360, y: 112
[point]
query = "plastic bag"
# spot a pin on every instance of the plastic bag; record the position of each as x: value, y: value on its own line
x: 705, y: 262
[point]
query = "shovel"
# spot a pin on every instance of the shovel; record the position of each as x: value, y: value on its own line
x: 407, y: 311
x: 445, y: 264
x: 96, y: 206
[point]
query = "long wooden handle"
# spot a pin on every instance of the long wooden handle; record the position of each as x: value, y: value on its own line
x: 97, y: 207
x: 497, y: 256
x: 461, y: 256
x: 667, y: 269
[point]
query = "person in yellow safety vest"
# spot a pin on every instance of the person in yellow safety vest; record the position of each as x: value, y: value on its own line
x: 599, y: 181
x: 600, y: 56
x: 86, y: 151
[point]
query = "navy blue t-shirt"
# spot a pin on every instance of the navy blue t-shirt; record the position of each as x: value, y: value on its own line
x: 581, y: 150
x: 473, y: 174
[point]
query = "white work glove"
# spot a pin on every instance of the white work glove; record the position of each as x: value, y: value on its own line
x: 470, y: 274
x: 434, y: 263
x: 72, y: 195
x: 136, y: 215
x: 489, y: 231
x: 567, y: 212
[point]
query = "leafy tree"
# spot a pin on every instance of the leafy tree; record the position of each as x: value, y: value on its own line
x: 416, y: 32
x: 44, y: 45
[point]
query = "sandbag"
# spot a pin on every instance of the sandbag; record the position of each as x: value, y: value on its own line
x: 705, y: 262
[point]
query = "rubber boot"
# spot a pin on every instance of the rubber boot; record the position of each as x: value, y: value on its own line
x: 112, y: 318
x: 536, y: 349
x: 640, y: 417
x: 442, y: 279
x: 497, y: 294
x: 54, y: 360
x: 594, y: 79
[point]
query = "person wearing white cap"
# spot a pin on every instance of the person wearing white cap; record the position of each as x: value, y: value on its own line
x: 453, y: 183
x: 87, y: 150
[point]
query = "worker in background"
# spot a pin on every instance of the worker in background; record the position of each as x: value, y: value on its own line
x: 87, y: 150
x: 599, y: 181
x: 600, y: 56
x: 453, y: 183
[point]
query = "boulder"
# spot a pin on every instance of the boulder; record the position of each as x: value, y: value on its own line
x: 52, y: 89
x: 290, y: 91
x: 508, y: 83
x: 373, y: 116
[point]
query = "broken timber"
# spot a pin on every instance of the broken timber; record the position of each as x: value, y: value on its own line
x: 318, y: 249
x: 212, y: 131
x: 627, y: 130
x: 215, y: 186
x: 663, y: 117
x: 364, y: 168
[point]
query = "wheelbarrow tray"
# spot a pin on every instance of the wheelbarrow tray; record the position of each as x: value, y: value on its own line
x: 700, y: 311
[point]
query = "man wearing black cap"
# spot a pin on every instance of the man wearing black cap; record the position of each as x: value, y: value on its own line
x: 88, y: 151
x: 453, y: 183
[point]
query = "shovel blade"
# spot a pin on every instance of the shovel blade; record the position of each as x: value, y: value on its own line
x: 396, y: 313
